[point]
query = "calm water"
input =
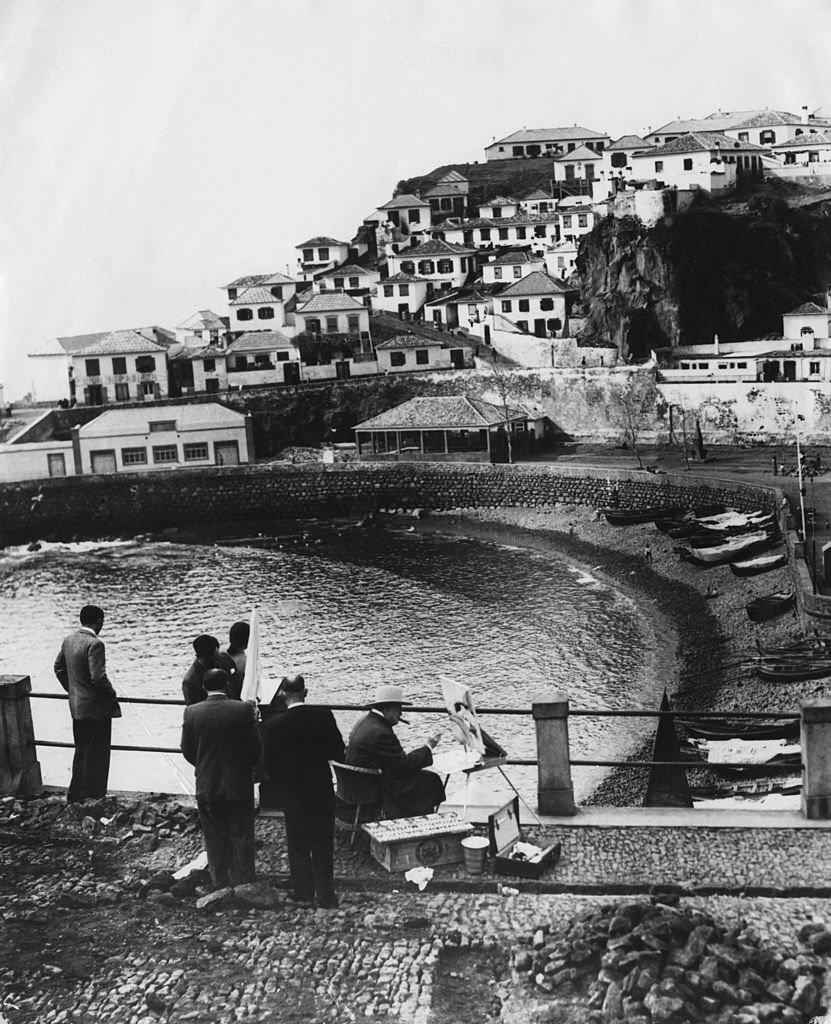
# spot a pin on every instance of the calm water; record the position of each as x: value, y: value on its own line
x: 348, y: 614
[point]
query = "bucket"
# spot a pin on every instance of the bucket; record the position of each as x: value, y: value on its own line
x: 474, y: 849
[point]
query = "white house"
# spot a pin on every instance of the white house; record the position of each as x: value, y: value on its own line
x: 510, y: 266
x: 319, y: 254
x: 708, y: 160
x: 408, y: 212
x: 259, y: 309
x: 808, y: 156
x: 208, y: 371
x: 202, y: 328
x: 443, y: 264
x: 262, y: 357
x: 406, y: 352
x: 404, y: 294
x: 809, y: 325
x: 124, y: 366
x: 577, y: 217
x: 499, y: 206
x: 561, y: 260
x: 617, y: 164
x: 279, y: 285
x: 538, y: 201
x: 580, y: 164
x: 488, y: 232
x: 330, y: 312
x: 357, y: 281
x: 163, y: 438
x: 536, y: 304
x: 535, y: 142
x: 24, y: 459
x: 448, y: 197
x: 762, y: 127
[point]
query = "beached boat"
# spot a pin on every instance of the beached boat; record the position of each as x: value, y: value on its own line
x: 748, y: 788
x: 747, y: 544
x: 644, y: 514
x: 742, y: 728
x: 759, y: 563
x: 793, y: 670
x: 770, y: 606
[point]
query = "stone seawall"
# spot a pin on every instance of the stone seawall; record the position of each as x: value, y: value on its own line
x: 126, y: 504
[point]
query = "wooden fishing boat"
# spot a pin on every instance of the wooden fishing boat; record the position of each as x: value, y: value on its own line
x: 742, y: 728
x: 759, y: 564
x: 644, y: 514
x: 747, y: 544
x: 748, y: 788
x: 770, y: 606
x: 794, y: 671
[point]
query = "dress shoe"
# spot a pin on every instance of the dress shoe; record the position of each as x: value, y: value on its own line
x: 300, y: 901
x: 328, y: 902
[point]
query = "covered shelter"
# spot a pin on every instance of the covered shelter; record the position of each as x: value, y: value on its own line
x: 446, y: 429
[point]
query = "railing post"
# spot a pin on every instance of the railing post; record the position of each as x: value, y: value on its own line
x: 19, y: 767
x: 555, y: 792
x: 816, y: 758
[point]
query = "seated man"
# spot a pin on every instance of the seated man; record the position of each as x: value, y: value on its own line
x: 408, y: 789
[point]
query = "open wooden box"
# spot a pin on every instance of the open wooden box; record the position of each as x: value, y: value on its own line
x: 503, y: 829
x: 399, y: 844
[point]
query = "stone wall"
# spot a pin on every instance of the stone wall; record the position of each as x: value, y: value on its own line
x: 124, y: 505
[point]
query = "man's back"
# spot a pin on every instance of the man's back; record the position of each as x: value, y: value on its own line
x: 81, y: 669
x: 299, y: 743
x: 221, y: 739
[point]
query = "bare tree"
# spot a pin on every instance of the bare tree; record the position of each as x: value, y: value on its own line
x: 503, y: 385
x: 634, y: 401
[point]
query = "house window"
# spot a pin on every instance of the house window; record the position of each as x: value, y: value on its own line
x: 414, y: 216
x: 161, y: 426
x: 688, y: 164
x: 520, y: 232
x: 517, y: 150
x: 517, y: 272
x: 397, y: 358
x: 277, y: 292
x: 245, y: 314
x: 262, y: 361
x: 485, y: 234
x: 165, y: 453
x: 582, y: 220
x: 122, y: 392
x: 265, y: 313
x: 339, y: 282
x: 211, y: 385
x: 445, y: 266
x: 506, y: 306
x: 313, y: 325
x: 282, y: 357
x: 503, y: 234
x: 331, y: 325
x: 92, y: 367
x: 497, y: 273
x: 618, y: 159
x: 659, y: 165
x: 524, y: 306
x: 403, y: 289
x: 567, y: 220
x: 133, y: 456
x: 145, y: 364
x: 308, y: 255
x: 119, y: 365
x: 497, y: 211
x: 148, y: 388
x: 741, y: 366
x: 208, y: 365
x: 561, y: 262
x: 422, y: 357
x: 744, y: 136
x: 522, y: 325
x: 389, y: 290
x: 232, y: 293
x: 408, y: 267
x: 767, y: 137
x: 813, y: 367
x: 354, y: 282
x: 353, y: 323
x: 56, y: 463
x: 323, y: 255
x: 426, y: 267
x: 546, y: 304
x: 194, y: 452
x: 240, y: 363
x: 539, y: 231
x: 445, y: 204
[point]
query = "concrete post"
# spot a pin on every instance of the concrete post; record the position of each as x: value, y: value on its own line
x: 816, y: 758
x: 19, y: 767
x: 555, y: 792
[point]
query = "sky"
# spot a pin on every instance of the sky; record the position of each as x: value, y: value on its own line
x: 152, y: 151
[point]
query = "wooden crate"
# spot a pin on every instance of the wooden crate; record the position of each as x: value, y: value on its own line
x: 399, y: 844
x: 503, y: 829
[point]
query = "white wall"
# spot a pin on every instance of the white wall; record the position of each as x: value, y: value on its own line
x: 31, y: 461
x: 415, y: 299
x: 205, y: 434
x: 438, y: 358
x: 703, y: 173
x: 49, y: 377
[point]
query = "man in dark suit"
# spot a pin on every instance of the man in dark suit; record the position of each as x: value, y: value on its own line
x: 221, y: 739
x: 208, y: 656
x: 298, y: 746
x: 81, y: 670
x: 408, y: 789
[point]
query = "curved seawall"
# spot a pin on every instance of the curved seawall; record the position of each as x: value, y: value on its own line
x: 95, y: 506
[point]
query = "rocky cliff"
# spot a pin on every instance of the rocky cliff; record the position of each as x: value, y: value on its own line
x: 729, y: 267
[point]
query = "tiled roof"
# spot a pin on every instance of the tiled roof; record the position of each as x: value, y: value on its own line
x: 326, y: 301
x: 402, y: 202
x: 136, y: 420
x: 518, y: 220
x: 317, y: 241
x: 628, y: 142
x: 248, y: 281
x: 762, y: 118
x: 500, y: 201
x: 260, y: 341
x: 204, y: 320
x: 81, y: 341
x: 442, y: 413
x: 452, y: 176
x: 402, y: 278
x: 514, y: 257
x: 253, y: 295
x: 118, y: 343
x: 278, y: 278
x: 806, y: 140
x: 208, y: 352
x: 549, y: 135
x: 348, y: 270
x: 696, y: 142
x: 537, y: 194
x: 535, y: 283
x: 447, y: 188
x: 808, y: 309
x: 410, y: 341
x: 724, y: 119
x: 435, y: 247
x: 580, y: 153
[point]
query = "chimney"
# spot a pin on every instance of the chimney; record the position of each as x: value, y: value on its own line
x: 804, y: 113
x: 715, y: 344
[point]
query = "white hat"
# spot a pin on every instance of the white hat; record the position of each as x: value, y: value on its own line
x: 386, y: 694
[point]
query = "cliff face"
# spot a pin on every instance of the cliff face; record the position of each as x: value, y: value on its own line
x: 712, y: 269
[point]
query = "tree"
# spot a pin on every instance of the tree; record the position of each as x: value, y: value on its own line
x: 634, y: 400
x: 502, y: 383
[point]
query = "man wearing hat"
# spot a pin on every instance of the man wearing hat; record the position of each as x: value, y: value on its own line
x: 408, y: 789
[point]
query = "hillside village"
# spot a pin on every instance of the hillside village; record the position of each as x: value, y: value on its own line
x: 451, y: 274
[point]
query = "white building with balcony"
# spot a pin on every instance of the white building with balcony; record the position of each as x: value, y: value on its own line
x: 442, y: 264
x: 319, y: 254
x: 331, y: 313
x: 124, y: 366
x: 404, y: 294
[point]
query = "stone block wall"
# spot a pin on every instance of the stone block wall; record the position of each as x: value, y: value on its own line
x: 124, y: 505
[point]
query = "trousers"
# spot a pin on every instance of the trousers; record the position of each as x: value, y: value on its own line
x: 91, y: 761
x: 310, y: 840
x: 228, y: 828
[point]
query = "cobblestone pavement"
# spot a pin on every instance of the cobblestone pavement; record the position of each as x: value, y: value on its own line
x: 88, y: 938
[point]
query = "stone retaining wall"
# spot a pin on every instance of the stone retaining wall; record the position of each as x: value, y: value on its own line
x: 126, y: 504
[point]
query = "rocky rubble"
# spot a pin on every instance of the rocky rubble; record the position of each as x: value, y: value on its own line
x: 647, y: 962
